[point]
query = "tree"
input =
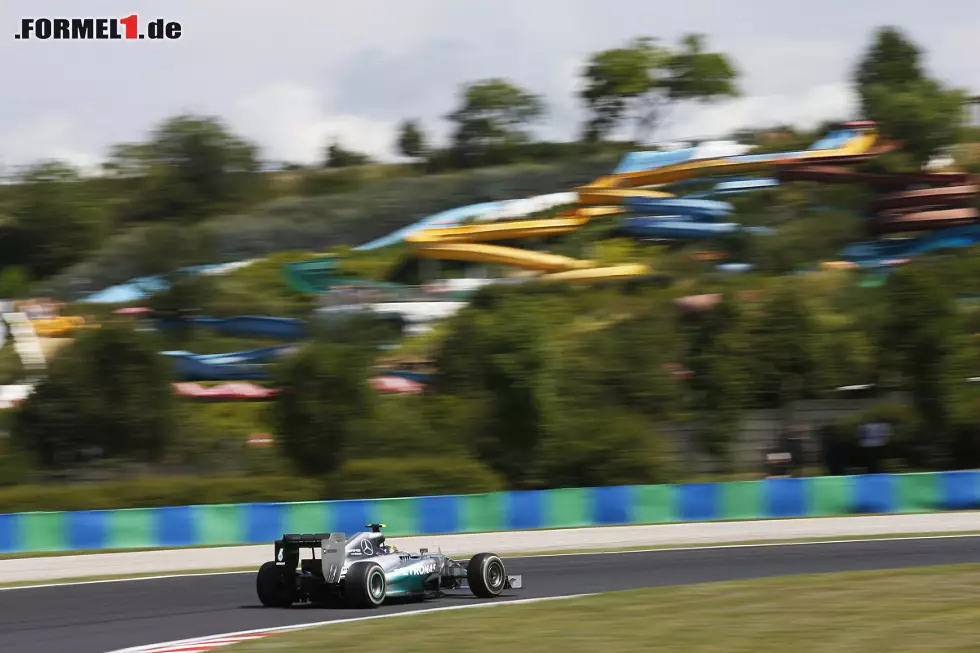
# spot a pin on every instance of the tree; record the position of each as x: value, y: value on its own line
x: 641, y: 80
x: 493, y: 113
x: 324, y: 404
x: 719, y: 384
x: 14, y: 283
x: 411, y: 140
x: 107, y: 396
x: 915, y: 341
x: 338, y: 156
x: 501, y: 357
x: 55, y: 218
x: 192, y: 167
x: 785, y: 354
x: 908, y: 105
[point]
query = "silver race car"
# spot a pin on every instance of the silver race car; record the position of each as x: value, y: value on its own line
x: 362, y: 571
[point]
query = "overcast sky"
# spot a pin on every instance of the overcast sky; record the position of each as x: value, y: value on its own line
x: 290, y: 74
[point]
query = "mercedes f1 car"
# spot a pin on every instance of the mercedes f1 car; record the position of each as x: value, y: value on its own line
x: 362, y: 571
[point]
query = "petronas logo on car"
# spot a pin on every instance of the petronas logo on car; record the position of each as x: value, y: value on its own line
x: 421, y: 571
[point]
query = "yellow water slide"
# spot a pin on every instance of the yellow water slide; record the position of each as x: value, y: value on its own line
x: 602, y: 197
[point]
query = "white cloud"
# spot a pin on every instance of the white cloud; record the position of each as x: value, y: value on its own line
x: 46, y: 137
x: 807, y: 110
x: 289, y: 122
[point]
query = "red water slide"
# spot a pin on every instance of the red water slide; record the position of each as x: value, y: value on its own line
x: 945, y: 201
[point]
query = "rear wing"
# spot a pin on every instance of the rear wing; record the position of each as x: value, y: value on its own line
x: 331, y: 546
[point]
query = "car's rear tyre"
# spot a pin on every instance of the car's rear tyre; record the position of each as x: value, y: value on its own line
x: 486, y: 575
x: 365, y: 585
x: 275, y: 586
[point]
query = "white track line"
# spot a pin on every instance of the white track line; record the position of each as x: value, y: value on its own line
x: 664, y: 549
x: 270, y: 631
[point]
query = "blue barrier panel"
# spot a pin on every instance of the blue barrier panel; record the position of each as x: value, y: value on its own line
x: 87, y: 529
x: 786, y: 497
x: 699, y: 501
x: 523, y: 510
x: 175, y: 526
x: 874, y: 493
x: 264, y: 522
x: 9, y: 541
x: 959, y: 490
x: 439, y: 514
x: 611, y: 505
x: 351, y: 516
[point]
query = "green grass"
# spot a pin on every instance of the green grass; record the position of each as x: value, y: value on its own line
x: 933, y: 608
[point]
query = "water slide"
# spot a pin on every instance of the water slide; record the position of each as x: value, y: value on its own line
x: 240, y: 365
x: 939, y: 203
x: 630, y: 190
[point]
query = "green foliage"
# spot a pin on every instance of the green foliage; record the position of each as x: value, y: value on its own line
x: 493, y: 114
x: 642, y: 79
x: 412, y: 474
x: 106, y: 396
x: 159, y: 492
x: 411, y: 140
x: 55, y: 219
x: 598, y: 445
x: 908, y: 105
x: 718, y: 359
x: 504, y: 357
x: 337, y: 156
x: 784, y: 346
x: 14, y: 283
x: 915, y: 343
x: 325, y: 402
x: 192, y: 167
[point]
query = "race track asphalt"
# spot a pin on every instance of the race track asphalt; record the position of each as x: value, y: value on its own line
x: 96, y: 618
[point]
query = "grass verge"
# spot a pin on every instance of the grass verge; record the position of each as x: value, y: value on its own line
x: 931, y: 608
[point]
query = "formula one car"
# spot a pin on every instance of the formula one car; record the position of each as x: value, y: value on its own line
x: 362, y: 571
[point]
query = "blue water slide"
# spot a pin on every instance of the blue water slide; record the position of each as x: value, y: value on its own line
x: 281, y: 328
x: 642, y: 161
x: 240, y: 365
x: 142, y: 287
x: 736, y: 187
x: 411, y: 375
x: 450, y: 218
x: 655, y: 227
x: 875, y: 253
x: 692, y: 208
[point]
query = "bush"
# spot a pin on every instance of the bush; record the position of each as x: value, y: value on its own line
x: 411, y: 476
x: 325, y: 402
x: 158, y: 492
x: 107, y: 396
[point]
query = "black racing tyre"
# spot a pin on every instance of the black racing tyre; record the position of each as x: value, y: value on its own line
x: 274, y: 586
x: 365, y: 585
x: 486, y: 575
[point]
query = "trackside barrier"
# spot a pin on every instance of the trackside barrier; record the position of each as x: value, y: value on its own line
x: 257, y: 523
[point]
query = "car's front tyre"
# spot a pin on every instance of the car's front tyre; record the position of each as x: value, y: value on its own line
x: 365, y: 585
x: 486, y: 575
x: 274, y: 585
